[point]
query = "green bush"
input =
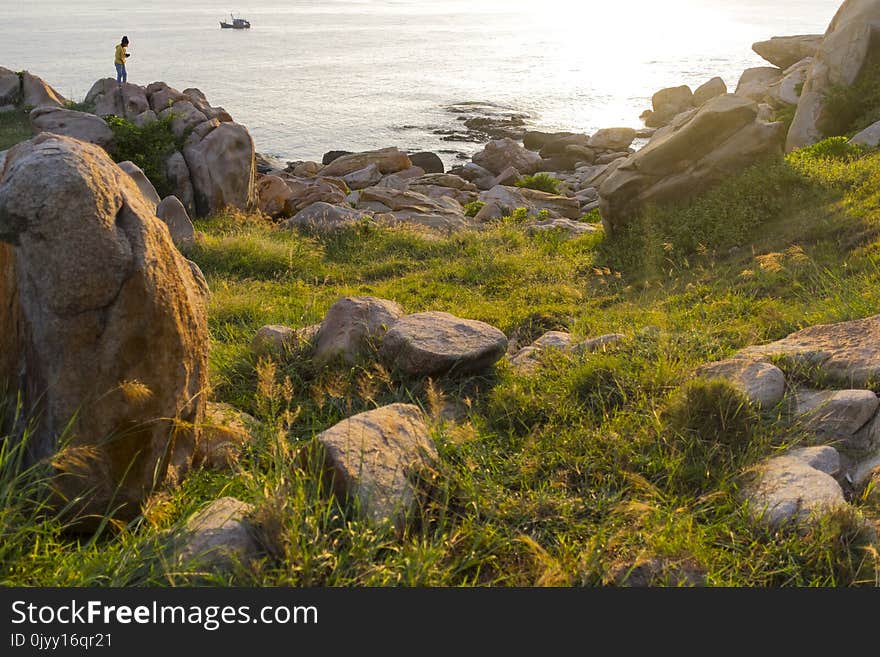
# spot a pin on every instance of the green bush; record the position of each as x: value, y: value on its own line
x: 541, y: 181
x: 473, y: 208
x: 712, y: 411
x: 148, y: 146
x: 833, y: 148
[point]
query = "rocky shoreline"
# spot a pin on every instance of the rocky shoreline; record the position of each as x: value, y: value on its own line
x: 94, y: 280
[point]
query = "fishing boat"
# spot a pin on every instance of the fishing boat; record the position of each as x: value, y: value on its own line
x: 235, y: 24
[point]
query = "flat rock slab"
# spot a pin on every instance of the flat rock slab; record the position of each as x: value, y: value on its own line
x: 426, y: 344
x: 353, y: 327
x: 372, y: 456
x: 789, y: 488
x: 849, y: 352
x: 762, y: 383
x: 218, y: 537
x: 835, y: 413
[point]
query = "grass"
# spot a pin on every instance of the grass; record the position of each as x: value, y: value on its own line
x: 148, y: 146
x: 543, y: 182
x: 556, y: 478
x: 14, y: 128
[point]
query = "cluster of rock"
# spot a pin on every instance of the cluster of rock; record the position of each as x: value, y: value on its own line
x: 215, y: 166
x: 842, y: 424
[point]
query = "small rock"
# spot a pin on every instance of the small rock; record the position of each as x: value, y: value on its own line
x: 502, y: 153
x: 835, y: 413
x: 657, y: 572
x: 372, y: 456
x: 567, y: 226
x: 762, y: 383
x: 218, y: 537
x: 366, y: 177
x: 709, y: 90
x: 323, y: 217
x: 353, y: 328
x: 612, y: 139
x: 277, y: 340
x: 869, y: 137
x: 788, y: 489
x: 428, y: 162
x: 431, y: 343
x: 225, y: 431
x: 143, y: 183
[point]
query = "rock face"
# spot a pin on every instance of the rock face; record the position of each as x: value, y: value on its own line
x: 218, y: 537
x: 762, y: 383
x: 222, y: 168
x: 722, y: 137
x: 426, y: 344
x: 372, y: 456
x: 842, y: 54
x: 388, y: 160
x: 848, y: 352
x: 10, y: 87
x: 171, y: 211
x: 93, y: 284
x: 79, y: 125
x: 790, y: 488
x: 35, y: 92
x: 502, y: 153
x: 323, y: 217
x: 353, y: 328
x: 785, y: 51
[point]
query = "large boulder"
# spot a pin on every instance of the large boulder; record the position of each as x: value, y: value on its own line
x: 10, y: 87
x: 502, y: 153
x: 35, y: 92
x: 432, y: 343
x: 847, y: 352
x: 184, y: 116
x: 111, y: 98
x: 785, y: 51
x: 721, y: 138
x: 388, y: 160
x: 274, y: 196
x: 222, y: 168
x: 171, y: 211
x: 787, y: 91
x: 179, y: 181
x: 162, y: 96
x: 427, y: 161
x: 755, y: 83
x: 143, y: 183
x: 373, y: 456
x: 669, y: 103
x: 612, y: 139
x: 105, y: 334
x: 79, y: 125
x: 325, y: 218
x: 835, y: 414
x: 367, y: 177
x: 709, y: 90
x: 845, y: 48
x: 353, y: 328
x: 306, y: 191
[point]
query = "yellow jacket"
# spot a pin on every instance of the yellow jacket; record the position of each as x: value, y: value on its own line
x: 120, y: 54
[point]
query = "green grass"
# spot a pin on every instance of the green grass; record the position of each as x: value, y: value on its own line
x: 148, y: 146
x: 543, y: 182
x: 14, y: 128
x: 555, y: 478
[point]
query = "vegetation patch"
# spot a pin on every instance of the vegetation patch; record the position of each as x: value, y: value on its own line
x: 543, y: 182
x: 148, y: 146
x: 14, y: 128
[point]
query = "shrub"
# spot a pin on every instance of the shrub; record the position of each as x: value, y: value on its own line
x: 833, y: 148
x: 541, y: 181
x: 473, y: 208
x: 148, y: 146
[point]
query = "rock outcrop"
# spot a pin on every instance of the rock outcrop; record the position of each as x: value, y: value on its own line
x: 36, y: 92
x: 840, y: 58
x: 388, y: 160
x: 105, y: 334
x: 220, y: 158
x: 108, y: 98
x: 721, y: 138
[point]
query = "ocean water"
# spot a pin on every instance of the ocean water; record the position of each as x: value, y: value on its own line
x: 359, y: 74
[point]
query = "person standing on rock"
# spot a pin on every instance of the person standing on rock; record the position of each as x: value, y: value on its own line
x: 121, y: 56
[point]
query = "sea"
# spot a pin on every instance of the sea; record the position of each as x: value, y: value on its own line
x: 309, y: 76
